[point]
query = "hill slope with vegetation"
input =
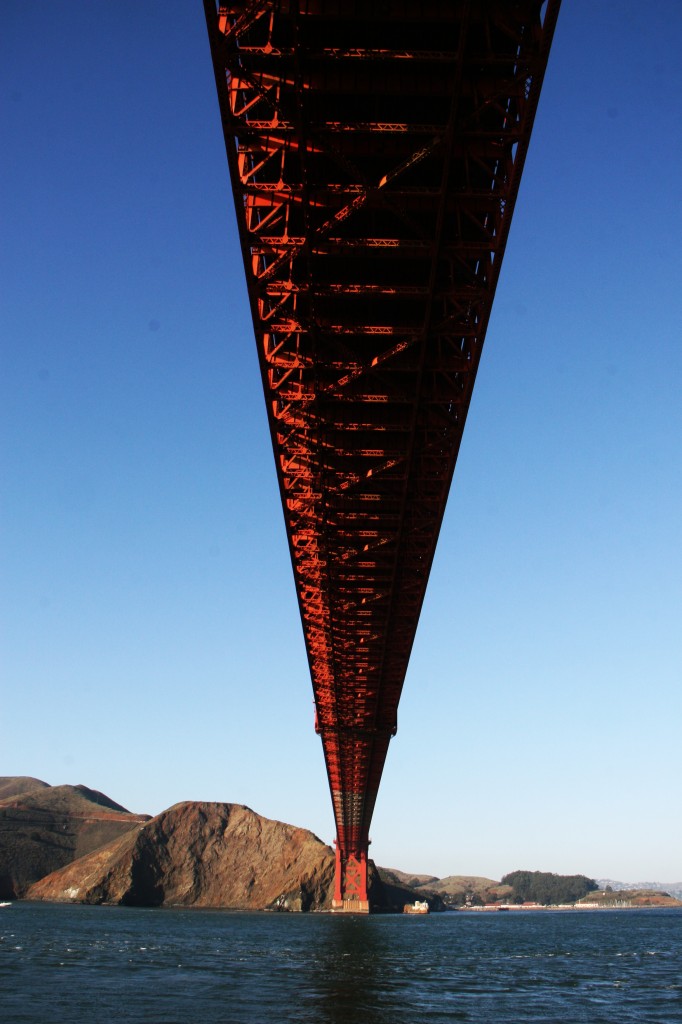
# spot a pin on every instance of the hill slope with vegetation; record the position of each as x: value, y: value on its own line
x: 546, y: 888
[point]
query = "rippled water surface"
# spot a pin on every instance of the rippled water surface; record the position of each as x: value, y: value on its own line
x: 99, y: 964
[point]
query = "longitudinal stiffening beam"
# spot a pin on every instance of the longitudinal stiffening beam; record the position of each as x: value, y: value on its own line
x: 375, y: 152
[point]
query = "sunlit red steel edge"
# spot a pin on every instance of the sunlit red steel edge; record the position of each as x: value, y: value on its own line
x: 375, y: 152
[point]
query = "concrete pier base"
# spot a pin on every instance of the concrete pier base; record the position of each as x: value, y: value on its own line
x: 350, y: 882
x: 350, y: 906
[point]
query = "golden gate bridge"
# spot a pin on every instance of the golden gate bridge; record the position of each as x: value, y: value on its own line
x: 375, y: 152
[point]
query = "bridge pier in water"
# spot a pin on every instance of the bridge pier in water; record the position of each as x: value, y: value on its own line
x: 350, y: 883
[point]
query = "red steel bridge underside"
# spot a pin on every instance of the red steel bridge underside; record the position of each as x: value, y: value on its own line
x: 375, y: 150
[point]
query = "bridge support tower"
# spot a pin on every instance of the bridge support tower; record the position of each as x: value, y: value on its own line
x: 350, y: 883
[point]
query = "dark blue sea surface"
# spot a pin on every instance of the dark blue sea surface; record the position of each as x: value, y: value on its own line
x: 89, y: 965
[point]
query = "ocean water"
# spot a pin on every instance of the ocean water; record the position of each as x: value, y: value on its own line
x: 95, y: 965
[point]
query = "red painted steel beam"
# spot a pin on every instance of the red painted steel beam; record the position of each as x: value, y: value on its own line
x: 375, y: 161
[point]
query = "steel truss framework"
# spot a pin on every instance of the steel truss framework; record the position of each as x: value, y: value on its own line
x: 375, y: 152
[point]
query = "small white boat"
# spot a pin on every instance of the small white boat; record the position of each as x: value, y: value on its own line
x: 5, y: 904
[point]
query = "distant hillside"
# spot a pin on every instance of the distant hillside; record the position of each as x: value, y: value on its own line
x: 43, y: 827
x: 63, y: 800
x: 672, y: 888
x: 631, y: 898
x: 404, y: 878
x: 458, y: 890
x: 13, y: 785
x: 390, y: 890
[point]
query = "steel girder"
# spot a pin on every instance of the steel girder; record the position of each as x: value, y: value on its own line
x: 375, y: 153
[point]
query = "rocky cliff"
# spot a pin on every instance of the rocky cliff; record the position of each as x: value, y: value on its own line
x: 201, y: 855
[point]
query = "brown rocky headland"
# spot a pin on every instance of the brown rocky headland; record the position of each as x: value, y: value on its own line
x: 201, y: 855
x: 211, y: 855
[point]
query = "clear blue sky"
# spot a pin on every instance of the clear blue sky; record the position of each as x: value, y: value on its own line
x: 151, y: 642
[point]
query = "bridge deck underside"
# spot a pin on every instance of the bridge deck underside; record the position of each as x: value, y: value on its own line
x: 375, y: 160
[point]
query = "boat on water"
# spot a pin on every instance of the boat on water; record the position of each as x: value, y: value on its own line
x: 418, y: 907
x: 5, y: 904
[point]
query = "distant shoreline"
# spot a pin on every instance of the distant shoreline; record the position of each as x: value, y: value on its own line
x: 562, y: 907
